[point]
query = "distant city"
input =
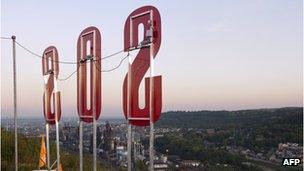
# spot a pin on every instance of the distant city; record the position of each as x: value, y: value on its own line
x: 227, y: 140
x: 111, y: 138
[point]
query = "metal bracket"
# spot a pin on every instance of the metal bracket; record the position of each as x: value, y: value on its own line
x: 87, y: 58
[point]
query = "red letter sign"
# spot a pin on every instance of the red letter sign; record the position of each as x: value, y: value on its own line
x: 141, y: 64
x: 89, y: 38
x: 50, y: 74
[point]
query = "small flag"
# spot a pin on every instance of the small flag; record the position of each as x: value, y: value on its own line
x: 42, y: 158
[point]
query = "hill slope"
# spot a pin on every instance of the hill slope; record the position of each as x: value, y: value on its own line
x: 29, y: 149
x: 214, y: 119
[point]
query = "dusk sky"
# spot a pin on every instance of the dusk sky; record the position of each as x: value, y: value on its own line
x: 214, y: 55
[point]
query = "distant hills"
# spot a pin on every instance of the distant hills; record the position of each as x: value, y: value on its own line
x: 207, y: 135
x: 248, y: 118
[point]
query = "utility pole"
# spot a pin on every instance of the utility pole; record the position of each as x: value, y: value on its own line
x: 15, y: 102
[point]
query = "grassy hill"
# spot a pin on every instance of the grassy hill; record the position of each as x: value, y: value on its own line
x: 29, y: 149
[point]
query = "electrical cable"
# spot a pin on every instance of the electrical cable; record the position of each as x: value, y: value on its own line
x: 113, y: 54
x: 64, y: 62
x: 7, y: 38
x: 35, y: 54
x: 109, y: 70
x: 74, y: 62
x: 69, y: 76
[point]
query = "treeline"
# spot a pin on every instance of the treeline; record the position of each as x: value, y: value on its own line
x: 258, y: 130
x: 214, y: 119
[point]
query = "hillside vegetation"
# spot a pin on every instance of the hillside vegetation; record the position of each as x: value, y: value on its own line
x: 248, y: 118
x: 29, y: 151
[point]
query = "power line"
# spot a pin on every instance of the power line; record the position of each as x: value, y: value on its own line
x: 113, y: 54
x: 7, y: 38
x: 35, y: 54
x: 64, y: 62
x: 69, y: 76
x: 109, y: 70
x: 74, y: 62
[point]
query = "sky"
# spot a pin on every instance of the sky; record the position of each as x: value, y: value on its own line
x: 214, y: 55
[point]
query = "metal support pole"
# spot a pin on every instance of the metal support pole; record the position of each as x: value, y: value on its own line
x: 94, y: 113
x: 15, y: 102
x: 57, y: 128
x: 80, y: 145
x: 151, y: 149
x: 57, y: 144
x: 129, y: 135
x: 47, y: 146
x: 132, y: 149
x: 129, y: 147
x: 94, y: 143
x: 134, y: 146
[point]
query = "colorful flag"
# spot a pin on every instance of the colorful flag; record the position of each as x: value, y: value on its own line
x: 42, y: 158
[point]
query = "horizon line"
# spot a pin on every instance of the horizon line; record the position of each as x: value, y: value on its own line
x: 122, y: 117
